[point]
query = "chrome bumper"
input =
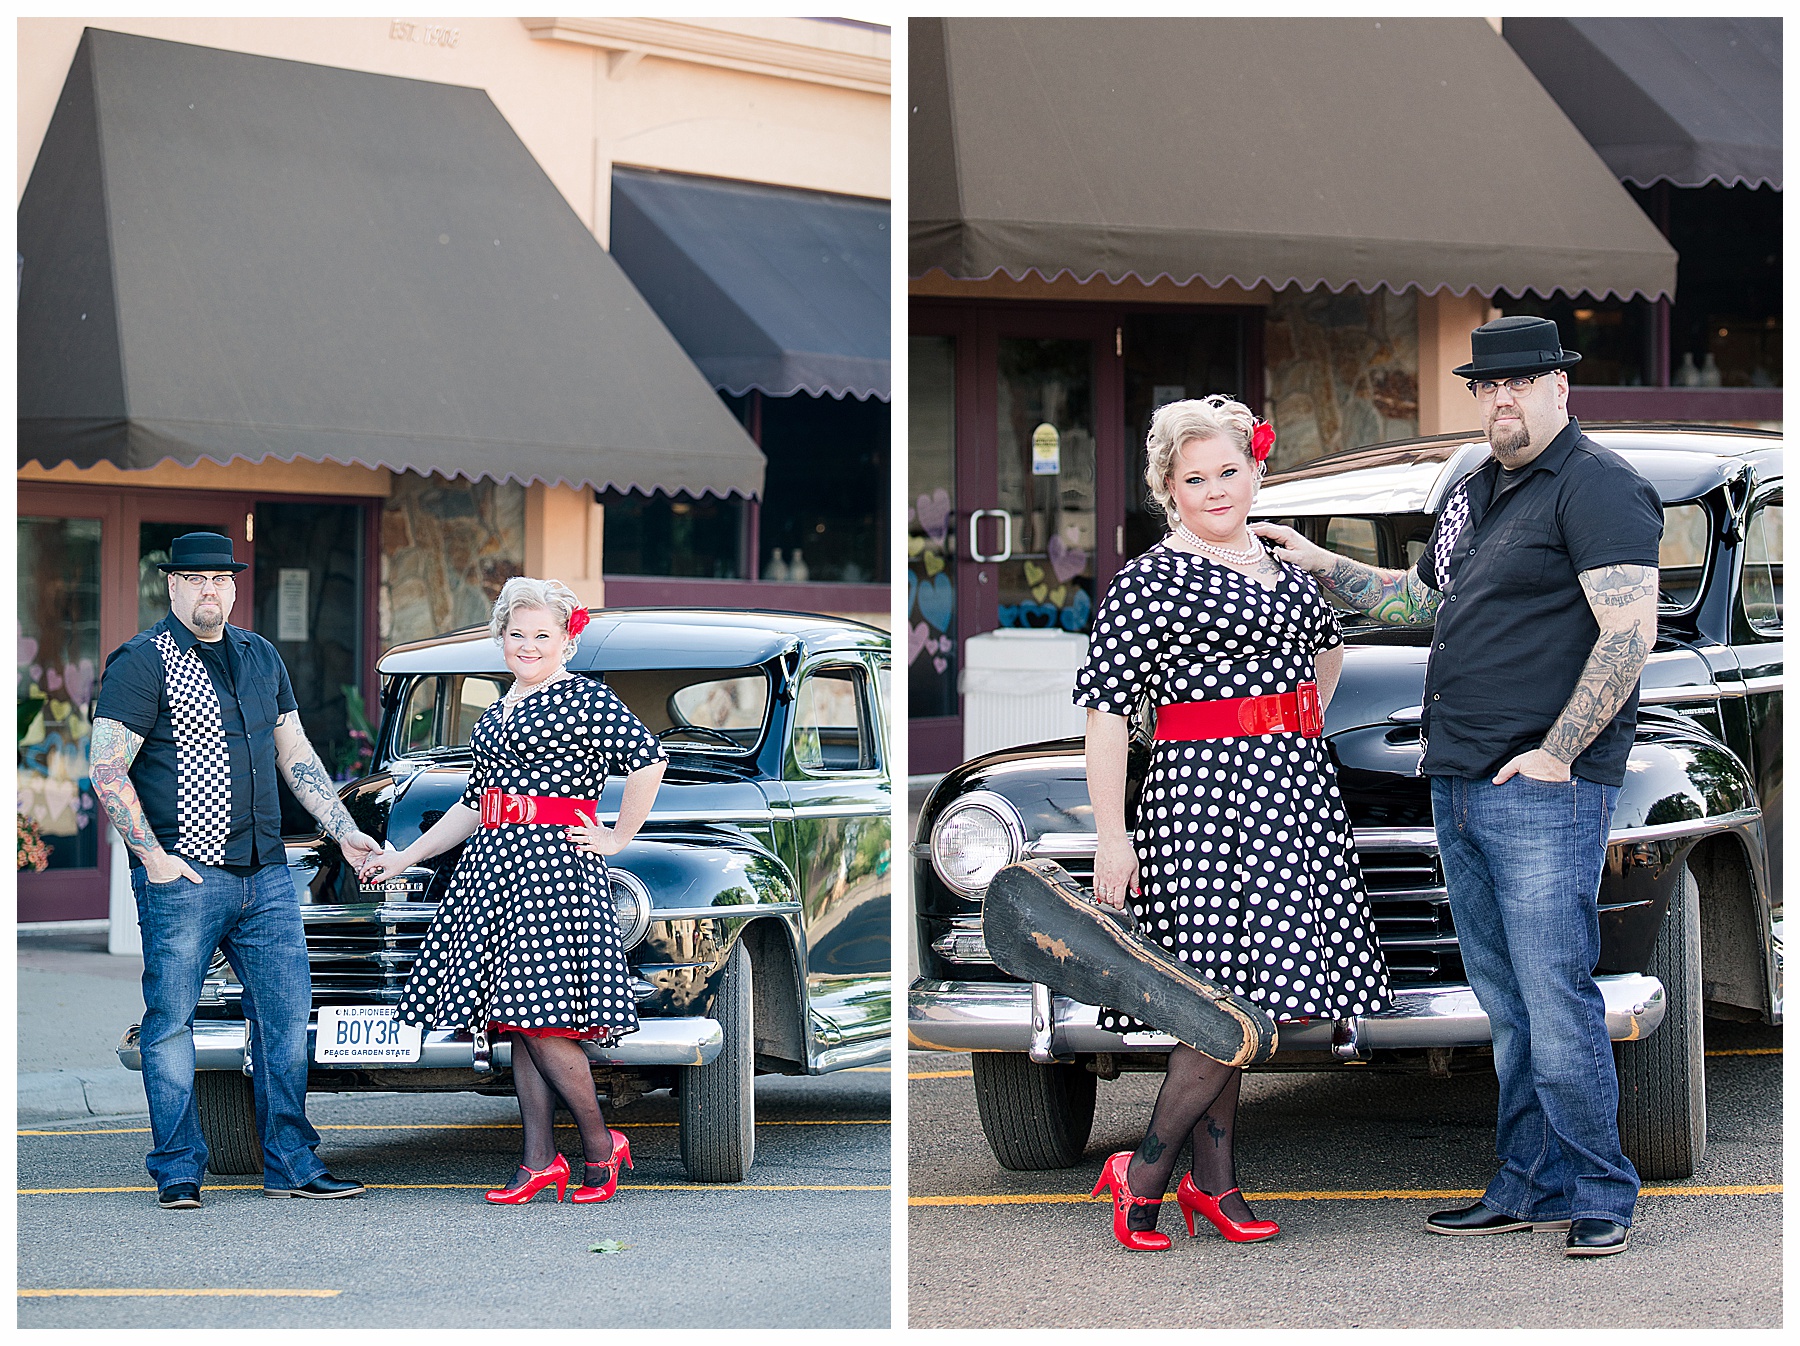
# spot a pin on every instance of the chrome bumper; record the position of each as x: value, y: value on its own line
x: 219, y: 1045
x: 972, y: 1016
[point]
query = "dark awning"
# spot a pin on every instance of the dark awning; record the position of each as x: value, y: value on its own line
x: 765, y: 287
x: 227, y: 255
x: 1690, y: 100
x: 1335, y: 152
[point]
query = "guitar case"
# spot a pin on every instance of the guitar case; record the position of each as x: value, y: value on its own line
x: 1040, y: 926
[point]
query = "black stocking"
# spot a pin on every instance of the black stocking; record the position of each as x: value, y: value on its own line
x: 537, y: 1111
x: 1192, y: 1085
x: 563, y: 1066
x: 1214, y: 1170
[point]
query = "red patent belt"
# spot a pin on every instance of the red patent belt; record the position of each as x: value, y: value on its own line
x: 1292, y: 712
x: 498, y: 807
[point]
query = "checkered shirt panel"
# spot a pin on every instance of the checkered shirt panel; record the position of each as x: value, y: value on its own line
x: 1451, y: 522
x: 202, y: 761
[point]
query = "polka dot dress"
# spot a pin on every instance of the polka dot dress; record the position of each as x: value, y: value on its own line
x: 525, y: 935
x: 1244, y: 849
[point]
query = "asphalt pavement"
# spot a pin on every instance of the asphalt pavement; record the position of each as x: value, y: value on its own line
x: 1350, y: 1163
x: 804, y: 1242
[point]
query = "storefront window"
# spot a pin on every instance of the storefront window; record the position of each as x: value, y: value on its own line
x: 1616, y: 337
x: 932, y: 649
x: 58, y: 675
x: 676, y: 535
x: 825, y: 491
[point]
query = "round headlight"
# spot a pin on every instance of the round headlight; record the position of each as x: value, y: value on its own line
x: 631, y: 906
x: 973, y: 839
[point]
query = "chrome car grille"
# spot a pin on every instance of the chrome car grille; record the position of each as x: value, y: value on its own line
x: 362, y: 955
x: 1405, y: 884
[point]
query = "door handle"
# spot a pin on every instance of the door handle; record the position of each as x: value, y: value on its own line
x: 1005, y: 552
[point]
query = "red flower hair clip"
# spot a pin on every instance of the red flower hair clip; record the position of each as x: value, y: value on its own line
x: 1262, y: 439
x: 578, y: 621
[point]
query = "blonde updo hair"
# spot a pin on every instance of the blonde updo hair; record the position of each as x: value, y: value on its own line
x: 521, y: 591
x: 1176, y: 423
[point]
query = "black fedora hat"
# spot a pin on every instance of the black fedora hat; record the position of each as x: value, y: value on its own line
x: 200, y: 551
x: 1517, y: 345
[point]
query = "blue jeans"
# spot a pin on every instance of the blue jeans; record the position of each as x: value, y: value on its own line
x: 1522, y: 862
x: 256, y: 921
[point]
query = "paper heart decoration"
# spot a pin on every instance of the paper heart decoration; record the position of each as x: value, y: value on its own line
x: 1066, y: 561
x: 1009, y: 614
x: 1038, y: 615
x: 1038, y: 591
x: 1075, y: 616
x: 1034, y: 573
x: 1060, y: 592
x: 79, y: 679
x: 934, y: 514
x: 940, y: 664
x: 933, y: 563
x: 914, y: 544
x: 53, y: 679
x: 936, y: 644
x: 937, y: 601
x: 915, y: 641
x: 28, y: 648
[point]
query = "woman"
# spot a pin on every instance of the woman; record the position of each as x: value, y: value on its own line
x: 524, y: 944
x: 1242, y: 864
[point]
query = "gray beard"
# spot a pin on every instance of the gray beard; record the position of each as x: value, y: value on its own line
x: 208, y: 623
x: 1511, y: 444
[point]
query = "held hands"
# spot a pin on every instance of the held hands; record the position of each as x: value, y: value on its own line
x: 382, y: 864
x: 358, y: 847
x: 1536, y: 765
x: 1293, y: 547
x: 162, y: 867
x: 1115, y: 872
x: 593, y: 838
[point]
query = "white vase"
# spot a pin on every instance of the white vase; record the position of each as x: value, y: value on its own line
x: 777, y: 569
x: 799, y: 572
x: 1686, y: 375
x: 1709, y: 372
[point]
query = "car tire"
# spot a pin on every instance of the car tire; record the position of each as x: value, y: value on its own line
x: 227, y: 1104
x: 718, y: 1100
x: 1662, y: 1078
x: 1034, y: 1117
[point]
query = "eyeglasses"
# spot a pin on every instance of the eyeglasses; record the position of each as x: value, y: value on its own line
x: 1486, y: 388
x: 201, y: 581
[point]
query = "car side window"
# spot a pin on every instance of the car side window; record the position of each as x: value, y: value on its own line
x: 1354, y: 538
x: 832, y: 728
x: 1762, y: 568
x: 1681, y: 556
x: 418, y: 722
x: 469, y: 696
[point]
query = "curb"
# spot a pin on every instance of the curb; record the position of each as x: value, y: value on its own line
x: 72, y: 1096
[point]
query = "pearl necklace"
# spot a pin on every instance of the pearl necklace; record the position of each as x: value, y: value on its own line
x: 513, y: 695
x: 1187, y: 535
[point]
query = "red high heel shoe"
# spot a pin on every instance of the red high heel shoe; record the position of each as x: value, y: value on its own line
x: 1193, y: 1199
x: 1113, y: 1176
x: 557, y: 1171
x: 621, y: 1154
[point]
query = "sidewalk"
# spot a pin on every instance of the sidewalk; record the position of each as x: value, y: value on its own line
x: 75, y: 1000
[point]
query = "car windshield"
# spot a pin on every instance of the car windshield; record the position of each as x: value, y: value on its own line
x: 709, y: 710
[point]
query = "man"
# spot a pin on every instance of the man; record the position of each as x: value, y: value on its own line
x: 1541, y: 576
x: 193, y: 720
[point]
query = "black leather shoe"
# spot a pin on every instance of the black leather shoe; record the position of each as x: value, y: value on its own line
x: 1484, y: 1219
x: 179, y: 1196
x: 1597, y: 1238
x: 322, y: 1188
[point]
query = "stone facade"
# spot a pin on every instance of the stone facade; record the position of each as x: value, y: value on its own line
x: 1343, y: 370
x: 447, y: 545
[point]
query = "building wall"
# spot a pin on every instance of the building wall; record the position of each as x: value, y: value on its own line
x: 447, y: 546
x: 1343, y: 370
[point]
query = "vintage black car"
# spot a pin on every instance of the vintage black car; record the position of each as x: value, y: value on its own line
x: 754, y: 902
x: 1690, y: 904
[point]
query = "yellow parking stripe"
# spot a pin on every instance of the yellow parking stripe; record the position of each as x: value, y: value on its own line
x: 1746, y: 1051
x: 111, y: 1294
x: 482, y: 1186
x: 1410, y: 1194
x: 939, y: 1074
x: 964, y: 1074
x: 469, y: 1126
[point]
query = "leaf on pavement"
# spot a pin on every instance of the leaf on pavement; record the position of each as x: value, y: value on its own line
x: 610, y: 1246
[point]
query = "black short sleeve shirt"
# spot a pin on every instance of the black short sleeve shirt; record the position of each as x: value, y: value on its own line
x: 253, y: 689
x: 1514, y: 628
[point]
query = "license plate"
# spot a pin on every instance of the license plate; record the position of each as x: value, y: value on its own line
x: 365, y: 1033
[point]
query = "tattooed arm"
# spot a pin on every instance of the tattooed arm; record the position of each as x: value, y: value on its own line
x: 307, y: 778
x: 1623, y: 599
x: 111, y: 751
x: 1397, y: 597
